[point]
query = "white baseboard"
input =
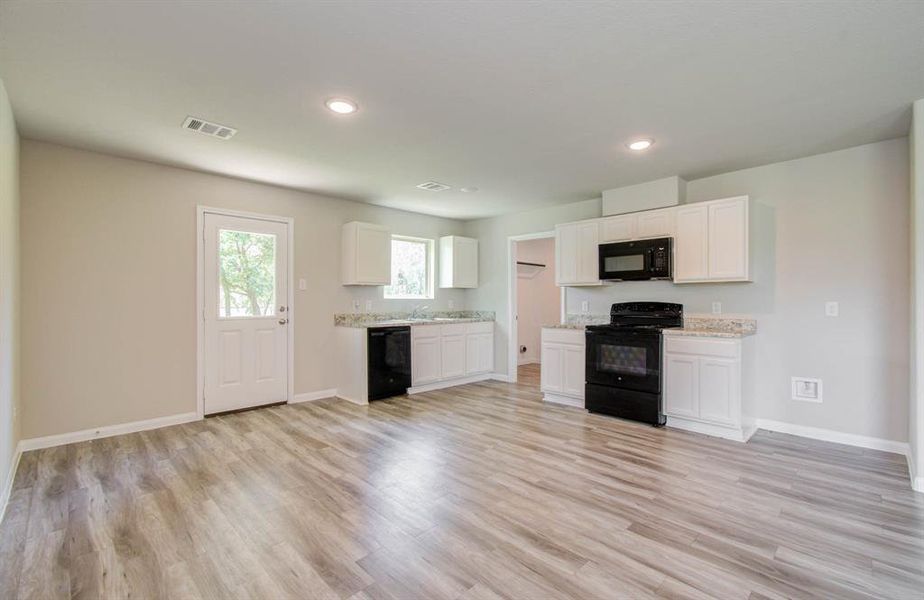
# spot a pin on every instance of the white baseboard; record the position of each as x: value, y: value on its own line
x: 106, y: 431
x: 500, y: 377
x: 566, y: 400
x: 736, y: 434
x: 312, y: 396
x: 439, y: 385
x: 917, y: 483
x: 828, y: 435
x: 353, y: 400
x: 8, y: 484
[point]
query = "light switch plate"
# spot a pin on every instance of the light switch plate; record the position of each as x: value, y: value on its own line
x: 585, y: 306
x: 356, y: 305
x: 303, y: 284
x: 832, y: 309
x: 452, y: 304
x: 806, y: 389
x: 368, y: 305
x: 716, y: 308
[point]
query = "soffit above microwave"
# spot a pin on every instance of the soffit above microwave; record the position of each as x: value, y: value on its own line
x: 659, y: 193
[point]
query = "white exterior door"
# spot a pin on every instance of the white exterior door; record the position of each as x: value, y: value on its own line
x: 245, y: 312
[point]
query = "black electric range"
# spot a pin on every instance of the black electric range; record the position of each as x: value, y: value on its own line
x: 623, y: 372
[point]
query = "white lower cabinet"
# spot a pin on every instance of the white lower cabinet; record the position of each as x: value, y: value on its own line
x: 451, y: 354
x: 562, y: 366
x: 704, y: 385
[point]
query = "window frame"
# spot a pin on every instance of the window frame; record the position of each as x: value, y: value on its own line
x: 429, y: 245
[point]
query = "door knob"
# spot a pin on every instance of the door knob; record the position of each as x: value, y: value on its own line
x: 283, y: 321
x: 282, y: 309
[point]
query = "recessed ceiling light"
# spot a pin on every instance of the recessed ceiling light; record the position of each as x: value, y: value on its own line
x: 640, y: 144
x: 469, y: 190
x: 341, y: 106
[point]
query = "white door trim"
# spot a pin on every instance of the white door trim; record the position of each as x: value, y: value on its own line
x: 513, y: 347
x: 201, y: 211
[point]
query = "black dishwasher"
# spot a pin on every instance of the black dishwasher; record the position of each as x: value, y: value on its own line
x: 389, y: 351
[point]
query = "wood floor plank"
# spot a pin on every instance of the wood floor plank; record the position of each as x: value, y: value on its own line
x: 476, y: 492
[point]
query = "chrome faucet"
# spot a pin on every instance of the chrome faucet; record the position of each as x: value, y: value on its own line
x: 418, y: 311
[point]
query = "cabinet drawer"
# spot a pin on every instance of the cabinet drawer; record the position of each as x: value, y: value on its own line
x: 425, y: 331
x: 563, y: 336
x: 486, y: 327
x: 702, y: 346
x: 455, y: 329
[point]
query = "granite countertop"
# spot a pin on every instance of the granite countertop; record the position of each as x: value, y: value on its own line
x: 396, y: 319
x: 693, y: 325
x: 715, y: 326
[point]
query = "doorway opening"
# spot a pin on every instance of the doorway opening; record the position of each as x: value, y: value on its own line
x: 534, y: 301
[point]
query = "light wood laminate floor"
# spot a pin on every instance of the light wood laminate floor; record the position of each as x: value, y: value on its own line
x: 475, y: 492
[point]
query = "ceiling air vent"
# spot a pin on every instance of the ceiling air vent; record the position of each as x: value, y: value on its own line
x: 222, y: 132
x: 433, y: 186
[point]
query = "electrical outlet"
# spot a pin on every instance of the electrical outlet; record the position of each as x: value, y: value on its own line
x: 368, y: 305
x: 585, y: 306
x: 303, y: 284
x: 452, y: 304
x: 716, y: 308
x: 356, y: 305
x: 832, y: 309
x: 806, y: 389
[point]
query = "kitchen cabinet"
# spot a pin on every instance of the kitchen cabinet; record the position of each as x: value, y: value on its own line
x: 711, y: 241
x: 576, y: 256
x: 708, y: 385
x: 452, y: 351
x: 691, y: 244
x: 655, y: 224
x: 365, y: 254
x: 728, y: 240
x: 479, y: 348
x: 618, y: 229
x: 458, y: 262
x: 452, y: 354
x: 426, y: 355
x: 562, y: 366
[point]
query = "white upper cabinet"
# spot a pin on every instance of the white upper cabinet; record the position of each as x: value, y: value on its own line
x: 691, y: 252
x: 728, y: 239
x: 656, y: 223
x: 618, y: 229
x: 458, y: 262
x: 365, y: 254
x: 576, y: 255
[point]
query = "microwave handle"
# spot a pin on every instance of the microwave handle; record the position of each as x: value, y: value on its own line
x: 649, y: 259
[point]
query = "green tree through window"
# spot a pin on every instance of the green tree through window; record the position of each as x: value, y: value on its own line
x: 247, y: 275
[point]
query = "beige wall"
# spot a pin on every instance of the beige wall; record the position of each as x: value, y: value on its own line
x: 538, y: 298
x: 9, y: 292
x: 108, y: 263
x: 828, y: 227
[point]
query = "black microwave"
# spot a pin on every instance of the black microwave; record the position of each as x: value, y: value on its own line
x: 636, y: 261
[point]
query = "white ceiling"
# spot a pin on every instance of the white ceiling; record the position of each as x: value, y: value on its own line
x: 531, y: 102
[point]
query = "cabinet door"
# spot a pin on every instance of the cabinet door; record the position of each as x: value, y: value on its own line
x: 576, y: 254
x: 728, y: 239
x: 479, y: 353
x: 691, y: 243
x: 718, y: 398
x: 681, y: 385
x: 656, y: 224
x: 551, y: 367
x: 618, y: 229
x: 573, y: 370
x: 373, y: 255
x: 465, y: 262
x: 425, y: 360
x: 566, y: 254
x: 452, y: 356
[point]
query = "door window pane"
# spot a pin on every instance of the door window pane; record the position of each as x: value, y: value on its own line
x: 246, y: 274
